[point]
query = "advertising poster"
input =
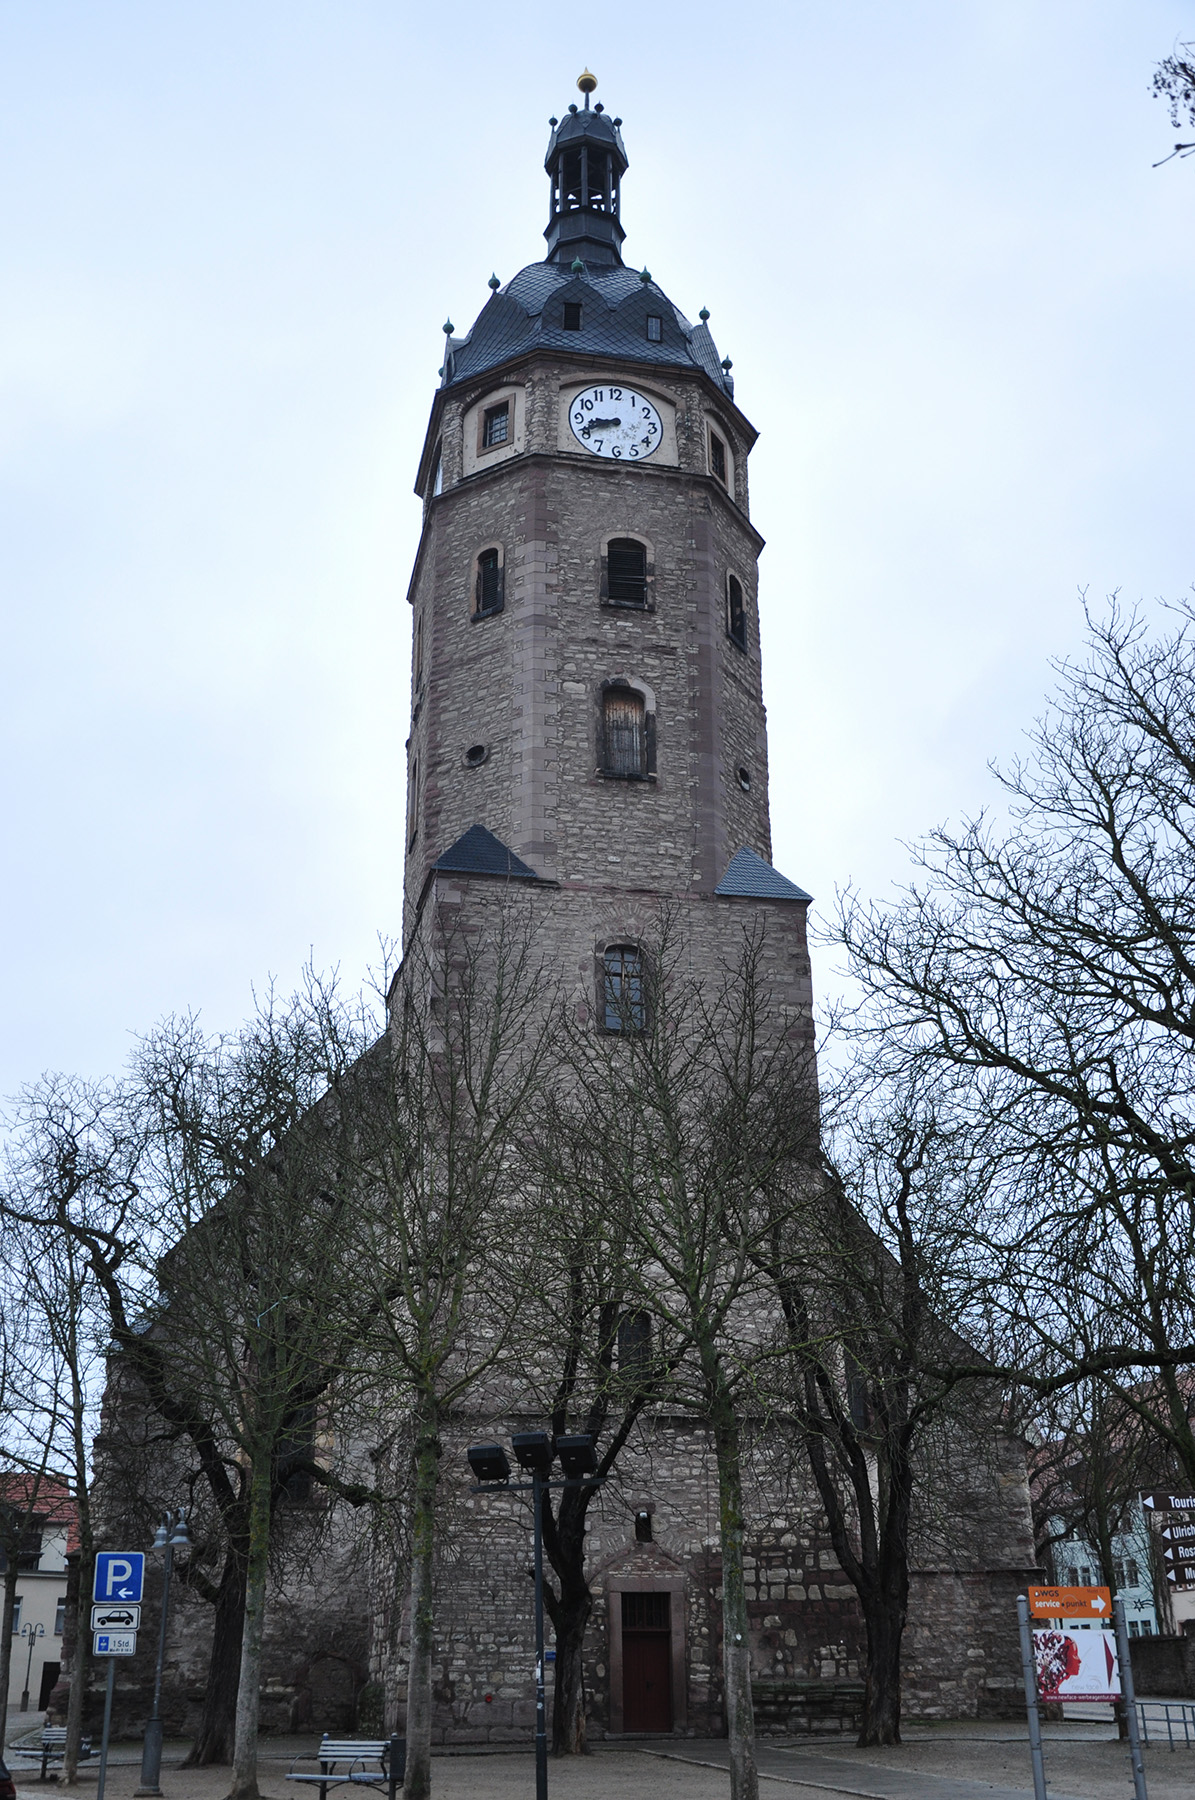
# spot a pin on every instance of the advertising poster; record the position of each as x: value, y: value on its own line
x: 1076, y: 1665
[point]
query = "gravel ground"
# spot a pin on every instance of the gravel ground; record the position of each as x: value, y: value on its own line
x: 1094, y: 1769
x: 608, y: 1775
x: 1082, y: 1763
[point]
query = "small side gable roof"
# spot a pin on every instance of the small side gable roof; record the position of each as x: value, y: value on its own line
x: 478, y: 852
x: 749, y: 877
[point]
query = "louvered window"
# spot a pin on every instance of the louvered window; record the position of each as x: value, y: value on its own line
x: 626, y: 572
x: 736, y: 612
x: 626, y: 739
x: 624, y: 1004
x: 488, y: 591
x: 717, y: 457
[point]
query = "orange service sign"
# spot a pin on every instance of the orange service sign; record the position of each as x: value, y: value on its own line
x: 1070, y: 1602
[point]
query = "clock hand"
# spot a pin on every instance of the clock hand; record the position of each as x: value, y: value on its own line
x: 592, y: 425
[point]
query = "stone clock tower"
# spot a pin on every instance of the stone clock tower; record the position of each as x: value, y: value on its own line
x: 587, y: 716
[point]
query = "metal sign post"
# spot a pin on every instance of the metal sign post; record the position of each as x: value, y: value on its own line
x: 1029, y: 1670
x: 103, y: 1776
x: 1130, y: 1699
x: 119, y: 1575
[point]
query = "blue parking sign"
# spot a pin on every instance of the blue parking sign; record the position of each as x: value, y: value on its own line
x: 119, y: 1575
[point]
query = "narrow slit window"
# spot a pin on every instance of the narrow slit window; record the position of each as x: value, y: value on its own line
x: 655, y: 328
x: 626, y: 739
x: 488, y: 588
x: 736, y: 612
x: 624, y: 1007
x: 572, y: 315
x: 634, y: 1343
x: 626, y: 572
x: 717, y: 457
x: 496, y: 427
x: 413, y: 804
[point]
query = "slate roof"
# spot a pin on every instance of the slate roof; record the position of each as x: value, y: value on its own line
x: 749, y: 877
x: 528, y: 313
x: 478, y: 852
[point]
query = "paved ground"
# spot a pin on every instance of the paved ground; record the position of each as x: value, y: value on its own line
x: 960, y: 1761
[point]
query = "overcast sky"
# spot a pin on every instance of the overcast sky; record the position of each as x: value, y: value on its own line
x: 959, y: 303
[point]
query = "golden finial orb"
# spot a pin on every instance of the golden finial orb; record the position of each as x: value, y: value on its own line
x: 586, y: 82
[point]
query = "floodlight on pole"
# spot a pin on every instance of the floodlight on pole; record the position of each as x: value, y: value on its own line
x: 489, y: 1462
x: 577, y: 1455
x: 533, y: 1451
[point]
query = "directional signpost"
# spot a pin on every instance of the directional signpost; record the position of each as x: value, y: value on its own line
x: 1070, y: 1602
x: 119, y: 1578
x: 1174, y: 1523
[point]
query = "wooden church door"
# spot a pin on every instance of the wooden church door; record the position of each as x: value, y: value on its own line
x: 646, y: 1662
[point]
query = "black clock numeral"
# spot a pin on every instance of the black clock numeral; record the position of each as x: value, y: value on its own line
x: 599, y: 393
x: 646, y: 442
x: 616, y: 450
x: 616, y: 393
x: 598, y: 442
x: 634, y: 450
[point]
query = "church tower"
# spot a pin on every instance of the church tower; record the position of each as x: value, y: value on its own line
x: 587, y: 713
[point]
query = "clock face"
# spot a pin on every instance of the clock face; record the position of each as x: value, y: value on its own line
x: 615, y: 421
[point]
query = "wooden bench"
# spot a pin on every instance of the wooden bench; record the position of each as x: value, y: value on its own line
x: 363, y: 1762
x: 53, y: 1747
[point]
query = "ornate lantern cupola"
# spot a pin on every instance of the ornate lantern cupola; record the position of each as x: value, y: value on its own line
x: 585, y: 164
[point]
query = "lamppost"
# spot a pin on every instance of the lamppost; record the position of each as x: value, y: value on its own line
x: 535, y: 1452
x: 32, y: 1632
x: 171, y: 1531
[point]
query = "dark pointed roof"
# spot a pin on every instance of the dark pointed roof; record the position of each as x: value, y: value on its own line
x: 749, y: 877
x: 478, y: 852
x: 528, y: 314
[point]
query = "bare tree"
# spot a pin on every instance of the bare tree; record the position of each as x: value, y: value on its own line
x: 874, y: 1273
x: 441, y: 1136
x: 692, y: 1115
x: 1049, y: 966
x: 68, y: 1177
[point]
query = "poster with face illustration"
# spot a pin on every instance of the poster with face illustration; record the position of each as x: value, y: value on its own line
x: 1076, y: 1665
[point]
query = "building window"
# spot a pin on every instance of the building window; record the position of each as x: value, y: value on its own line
x: 736, y: 612
x: 1134, y: 1628
x: 1125, y: 1569
x: 418, y: 651
x: 717, y: 457
x: 488, y: 586
x: 744, y: 777
x: 572, y: 315
x: 438, y: 476
x: 626, y: 572
x: 16, y: 1615
x: 624, y: 726
x: 413, y: 803
x: 624, y: 1006
x: 60, y: 1618
x: 655, y: 328
x: 495, y: 428
x: 643, y: 1526
x: 1147, y: 1629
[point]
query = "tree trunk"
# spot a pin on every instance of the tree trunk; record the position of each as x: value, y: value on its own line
x: 885, y: 1623
x: 10, y: 1602
x: 736, y: 1648
x: 418, y: 1782
x: 568, y: 1692
x: 216, y: 1735
x: 77, y: 1697
x: 244, y: 1756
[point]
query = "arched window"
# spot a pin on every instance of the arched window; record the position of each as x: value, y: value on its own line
x: 626, y: 572
x: 488, y: 587
x: 624, y: 1004
x: 736, y: 612
x: 624, y: 729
